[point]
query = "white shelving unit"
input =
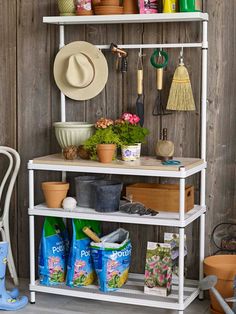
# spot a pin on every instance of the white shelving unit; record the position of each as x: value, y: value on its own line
x: 184, y: 291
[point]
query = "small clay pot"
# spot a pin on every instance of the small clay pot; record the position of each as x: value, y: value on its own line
x: 106, y: 152
x: 54, y: 193
x: 106, y: 195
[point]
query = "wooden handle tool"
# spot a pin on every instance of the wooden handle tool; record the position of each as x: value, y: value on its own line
x: 140, y: 81
x: 160, y: 79
x: 91, y: 234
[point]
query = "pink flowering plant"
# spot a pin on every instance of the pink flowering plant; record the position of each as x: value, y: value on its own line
x: 129, y: 130
x: 158, y: 269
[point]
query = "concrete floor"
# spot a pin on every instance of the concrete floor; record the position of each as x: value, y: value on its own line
x: 49, y: 304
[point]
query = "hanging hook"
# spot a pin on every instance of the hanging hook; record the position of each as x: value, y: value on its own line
x: 140, y: 54
x: 181, y: 55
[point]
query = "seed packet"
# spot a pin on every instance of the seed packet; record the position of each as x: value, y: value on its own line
x: 158, y: 273
x: 173, y: 240
x: 80, y: 269
x: 147, y: 6
x: 111, y: 260
x: 53, y: 252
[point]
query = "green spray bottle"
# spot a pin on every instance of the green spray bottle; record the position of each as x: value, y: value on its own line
x: 190, y: 5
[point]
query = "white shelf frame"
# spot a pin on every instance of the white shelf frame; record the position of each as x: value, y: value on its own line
x: 168, y: 219
x: 127, y: 18
x: 131, y: 293
x: 181, y: 301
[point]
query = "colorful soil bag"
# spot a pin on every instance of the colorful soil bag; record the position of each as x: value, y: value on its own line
x: 111, y: 259
x: 53, y: 252
x: 80, y: 269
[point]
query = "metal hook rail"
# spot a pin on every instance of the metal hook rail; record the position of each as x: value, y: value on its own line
x: 151, y: 46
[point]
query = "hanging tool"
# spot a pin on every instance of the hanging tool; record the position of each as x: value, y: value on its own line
x: 122, y: 58
x: 181, y: 94
x: 159, y: 60
x: 139, y: 101
x: 91, y: 234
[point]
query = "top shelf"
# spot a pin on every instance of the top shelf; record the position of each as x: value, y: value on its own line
x: 145, y: 166
x: 127, y: 18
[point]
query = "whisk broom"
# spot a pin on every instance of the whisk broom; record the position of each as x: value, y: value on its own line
x: 181, y: 94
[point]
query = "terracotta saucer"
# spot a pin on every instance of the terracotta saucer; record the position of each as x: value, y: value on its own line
x: 84, y: 12
x: 109, y: 3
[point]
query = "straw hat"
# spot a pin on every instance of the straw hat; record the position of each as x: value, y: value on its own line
x: 80, y: 70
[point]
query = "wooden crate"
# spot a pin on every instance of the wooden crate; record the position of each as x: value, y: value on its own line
x: 160, y: 197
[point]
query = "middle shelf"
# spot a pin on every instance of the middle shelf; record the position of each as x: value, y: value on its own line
x: 170, y: 219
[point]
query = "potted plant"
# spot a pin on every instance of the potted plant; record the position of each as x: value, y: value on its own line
x: 131, y: 135
x: 103, y: 142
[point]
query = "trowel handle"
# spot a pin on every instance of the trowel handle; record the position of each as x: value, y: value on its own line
x: 140, y: 81
x: 159, y: 78
x: 91, y: 234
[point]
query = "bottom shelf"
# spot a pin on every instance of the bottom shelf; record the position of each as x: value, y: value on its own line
x: 130, y: 293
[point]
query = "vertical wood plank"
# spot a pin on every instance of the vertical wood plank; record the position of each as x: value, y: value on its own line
x: 8, y: 110
x: 34, y: 107
x: 221, y: 147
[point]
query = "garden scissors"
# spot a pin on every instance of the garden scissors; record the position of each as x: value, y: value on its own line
x: 171, y: 162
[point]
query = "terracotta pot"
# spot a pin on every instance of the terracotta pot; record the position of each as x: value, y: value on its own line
x: 106, y: 152
x: 54, y: 193
x: 224, y: 267
x: 130, y: 6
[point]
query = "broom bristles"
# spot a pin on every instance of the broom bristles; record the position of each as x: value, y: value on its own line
x: 181, y: 94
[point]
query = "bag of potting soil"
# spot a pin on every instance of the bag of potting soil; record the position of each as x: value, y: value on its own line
x: 80, y: 270
x: 111, y: 259
x: 53, y: 252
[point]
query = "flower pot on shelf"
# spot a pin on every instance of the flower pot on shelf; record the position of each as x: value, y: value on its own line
x: 83, y: 188
x: 107, y: 195
x: 222, y: 266
x: 66, y: 7
x: 129, y: 152
x: 130, y: 7
x: 54, y: 193
x: 106, y: 152
x: 138, y: 152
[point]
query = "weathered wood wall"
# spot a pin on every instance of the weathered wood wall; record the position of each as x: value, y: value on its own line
x: 29, y: 104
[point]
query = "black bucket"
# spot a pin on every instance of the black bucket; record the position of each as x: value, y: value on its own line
x: 107, y: 195
x: 83, y: 189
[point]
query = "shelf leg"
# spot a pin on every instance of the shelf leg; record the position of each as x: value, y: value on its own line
x: 181, y: 242
x: 202, y: 230
x: 31, y: 235
x: 181, y: 268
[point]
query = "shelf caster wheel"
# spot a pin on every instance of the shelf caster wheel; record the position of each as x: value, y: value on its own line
x: 32, y: 302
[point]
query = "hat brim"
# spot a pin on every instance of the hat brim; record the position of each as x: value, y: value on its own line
x: 98, y: 61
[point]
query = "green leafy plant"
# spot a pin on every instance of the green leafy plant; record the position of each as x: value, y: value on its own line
x: 129, y: 130
x: 104, y: 134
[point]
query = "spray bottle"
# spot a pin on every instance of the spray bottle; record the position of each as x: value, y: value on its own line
x: 190, y: 5
x: 169, y: 6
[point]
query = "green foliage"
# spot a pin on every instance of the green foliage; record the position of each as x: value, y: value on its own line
x: 131, y: 134
x: 101, y: 136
